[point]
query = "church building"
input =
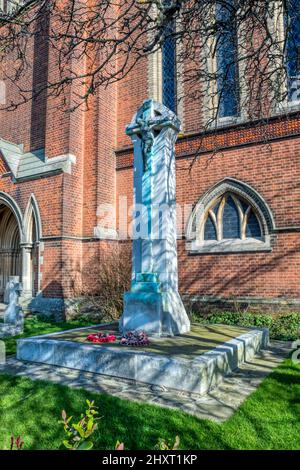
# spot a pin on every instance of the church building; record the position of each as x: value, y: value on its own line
x: 238, y: 186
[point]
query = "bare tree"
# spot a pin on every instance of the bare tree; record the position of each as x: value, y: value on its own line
x: 236, y: 56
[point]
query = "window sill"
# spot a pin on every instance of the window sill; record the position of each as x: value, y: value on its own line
x: 228, y: 246
x: 226, y: 122
x: 288, y: 107
x: 232, y: 121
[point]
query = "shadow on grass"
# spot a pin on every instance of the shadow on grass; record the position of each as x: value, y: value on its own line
x: 268, y: 419
x: 32, y: 409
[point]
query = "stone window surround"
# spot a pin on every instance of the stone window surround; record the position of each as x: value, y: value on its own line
x: 196, y: 245
x: 10, y: 5
x: 276, y: 26
x: 210, y: 98
x: 155, y: 79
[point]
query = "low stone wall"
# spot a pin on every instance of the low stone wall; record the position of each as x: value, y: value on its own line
x: 64, y: 309
x: 72, y: 308
x: 44, y: 306
x: 213, y: 304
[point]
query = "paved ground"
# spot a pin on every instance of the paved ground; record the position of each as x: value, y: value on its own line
x: 218, y: 405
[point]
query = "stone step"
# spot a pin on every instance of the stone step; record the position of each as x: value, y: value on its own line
x: 147, y: 277
x: 145, y: 287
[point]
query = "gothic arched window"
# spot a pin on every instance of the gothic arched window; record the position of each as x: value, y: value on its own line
x: 231, y: 217
x: 292, y: 25
x: 169, y: 82
x: 226, y: 56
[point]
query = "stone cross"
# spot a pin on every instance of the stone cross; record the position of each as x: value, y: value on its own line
x: 154, y: 304
x: 145, y: 127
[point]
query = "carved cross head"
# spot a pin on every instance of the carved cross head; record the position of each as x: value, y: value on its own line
x: 147, y: 124
x: 152, y: 117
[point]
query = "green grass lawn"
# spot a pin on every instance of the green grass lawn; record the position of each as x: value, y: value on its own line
x: 35, y: 326
x: 268, y: 419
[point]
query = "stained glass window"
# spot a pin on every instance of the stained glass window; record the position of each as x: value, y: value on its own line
x: 292, y: 23
x: 253, y: 228
x: 231, y: 222
x: 210, y: 232
x: 231, y: 217
x: 226, y: 56
x: 169, y: 94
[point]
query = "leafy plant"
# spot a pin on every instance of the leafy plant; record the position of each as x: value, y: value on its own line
x: 163, y: 444
x: 283, y: 327
x: 79, y: 434
x: 119, y: 446
x: 16, y: 444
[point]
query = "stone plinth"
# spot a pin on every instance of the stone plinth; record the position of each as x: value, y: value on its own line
x: 199, y: 374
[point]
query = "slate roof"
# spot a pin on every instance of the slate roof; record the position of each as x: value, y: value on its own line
x: 32, y: 164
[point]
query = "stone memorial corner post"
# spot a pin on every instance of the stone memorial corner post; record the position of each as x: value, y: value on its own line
x: 153, y: 303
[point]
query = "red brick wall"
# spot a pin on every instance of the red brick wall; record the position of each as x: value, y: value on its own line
x: 132, y: 91
x: 265, y: 275
x: 15, y: 125
x: 68, y: 203
x: 273, y: 170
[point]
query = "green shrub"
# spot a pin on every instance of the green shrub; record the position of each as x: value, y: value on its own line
x: 284, y: 327
x: 79, y: 434
x: 163, y: 444
x: 104, y: 284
